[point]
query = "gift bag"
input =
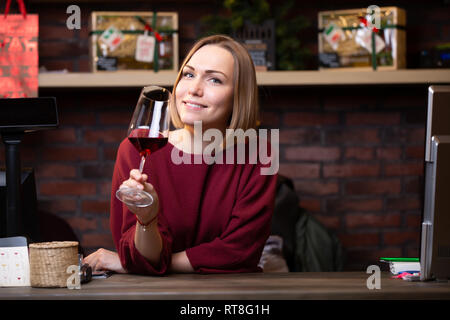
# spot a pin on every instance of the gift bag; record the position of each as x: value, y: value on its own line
x: 18, y: 53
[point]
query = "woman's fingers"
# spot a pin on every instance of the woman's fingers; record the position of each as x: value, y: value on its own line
x: 149, y: 188
x: 138, y: 176
x: 97, y: 266
x: 130, y: 183
x: 94, y: 260
x: 136, y: 180
x: 135, y: 174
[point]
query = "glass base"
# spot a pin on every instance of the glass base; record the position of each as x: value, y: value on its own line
x: 134, y: 197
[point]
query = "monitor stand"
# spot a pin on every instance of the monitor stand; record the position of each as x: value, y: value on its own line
x: 12, y: 142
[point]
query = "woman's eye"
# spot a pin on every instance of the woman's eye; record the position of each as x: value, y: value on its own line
x: 187, y: 74
x: 215, y: 80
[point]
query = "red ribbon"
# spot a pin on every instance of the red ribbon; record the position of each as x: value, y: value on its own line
x: 22, y: 8
x: 364, y: 22
x: 157, y: 35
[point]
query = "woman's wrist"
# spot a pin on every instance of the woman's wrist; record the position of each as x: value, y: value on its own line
x: 146, y: 225
x: 147, y: 240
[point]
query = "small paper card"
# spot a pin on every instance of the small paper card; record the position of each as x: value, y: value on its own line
x: 112, y: 37
x: 14, y: 263
x: 364, y: 39
x: 333, y: 34
x: 145, y: 48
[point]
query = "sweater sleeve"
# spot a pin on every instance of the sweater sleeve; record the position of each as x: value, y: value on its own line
x: 239, y: 247
x: 123, y: 221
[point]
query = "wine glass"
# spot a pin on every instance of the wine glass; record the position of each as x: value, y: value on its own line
x: 148, y: 132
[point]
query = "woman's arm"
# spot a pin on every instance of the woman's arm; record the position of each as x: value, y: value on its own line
x: 180, y: 263
x: 146, y: 239
x: 148, y: 242
x: 103, y: 259
x: 142, y: 252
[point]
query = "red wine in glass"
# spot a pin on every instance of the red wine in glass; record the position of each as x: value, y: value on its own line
x: 148, y: 132
x: 146, y: 145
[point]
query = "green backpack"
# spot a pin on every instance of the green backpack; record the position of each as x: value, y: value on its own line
x: 307, y: 244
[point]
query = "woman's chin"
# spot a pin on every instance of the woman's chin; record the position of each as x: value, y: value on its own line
x: 189, y: 121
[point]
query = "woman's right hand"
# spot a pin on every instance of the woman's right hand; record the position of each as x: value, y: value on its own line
x: 139, y: 180
x: 103, y: 259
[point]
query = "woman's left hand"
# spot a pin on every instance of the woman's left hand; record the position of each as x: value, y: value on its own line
x: 138, y: 180
x: 103, y: 259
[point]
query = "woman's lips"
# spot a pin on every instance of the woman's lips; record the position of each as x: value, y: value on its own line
x: 193, y: 106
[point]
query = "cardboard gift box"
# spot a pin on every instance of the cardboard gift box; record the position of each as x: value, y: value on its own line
x: 348, y: 39
x: 259, y: 40
x: 134, y: 41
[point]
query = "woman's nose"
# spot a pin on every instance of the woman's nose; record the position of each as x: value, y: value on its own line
x: 195, y: 88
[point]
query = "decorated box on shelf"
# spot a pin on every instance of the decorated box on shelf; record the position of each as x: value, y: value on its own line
x: 259, y: 40
x: 134, y: 41
x: 362, y: 39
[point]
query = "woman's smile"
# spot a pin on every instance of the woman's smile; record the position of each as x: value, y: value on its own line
x: 193, y: 105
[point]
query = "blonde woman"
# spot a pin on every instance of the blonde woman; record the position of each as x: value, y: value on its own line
x: 206, y: 218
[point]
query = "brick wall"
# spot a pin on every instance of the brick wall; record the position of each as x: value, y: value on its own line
x: 356, y: 157
x: 355, y: 153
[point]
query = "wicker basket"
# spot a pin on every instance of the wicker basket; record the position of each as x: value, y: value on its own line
x: 49, y: 262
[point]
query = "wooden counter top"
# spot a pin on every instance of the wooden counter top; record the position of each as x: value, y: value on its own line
x: 261, y: 286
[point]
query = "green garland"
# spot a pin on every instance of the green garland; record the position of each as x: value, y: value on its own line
x: 290, y: 53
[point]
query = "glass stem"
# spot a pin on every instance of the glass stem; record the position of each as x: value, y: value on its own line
x: 141, y: 166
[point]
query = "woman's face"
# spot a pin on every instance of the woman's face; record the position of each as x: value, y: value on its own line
x: 205, y: 90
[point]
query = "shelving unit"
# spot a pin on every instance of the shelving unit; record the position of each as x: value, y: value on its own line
x: 270, y: 78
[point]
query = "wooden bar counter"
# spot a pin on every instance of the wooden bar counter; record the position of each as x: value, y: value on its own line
x: 261, y: 286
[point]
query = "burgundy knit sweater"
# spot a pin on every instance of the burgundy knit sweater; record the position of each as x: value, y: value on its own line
x: 219, y: 213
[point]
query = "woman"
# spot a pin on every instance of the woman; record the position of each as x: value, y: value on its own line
x: 206, y: 218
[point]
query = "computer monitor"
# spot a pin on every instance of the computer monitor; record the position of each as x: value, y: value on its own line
x: 28, y: 114
x: 435, y: 239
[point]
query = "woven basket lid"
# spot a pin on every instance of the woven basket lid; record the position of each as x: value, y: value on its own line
x: 53, y: 244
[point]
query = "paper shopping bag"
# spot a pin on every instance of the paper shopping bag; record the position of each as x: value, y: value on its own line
x: 19, y: 55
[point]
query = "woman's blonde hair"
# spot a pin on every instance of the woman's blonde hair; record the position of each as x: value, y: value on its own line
x: 245, y: 111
